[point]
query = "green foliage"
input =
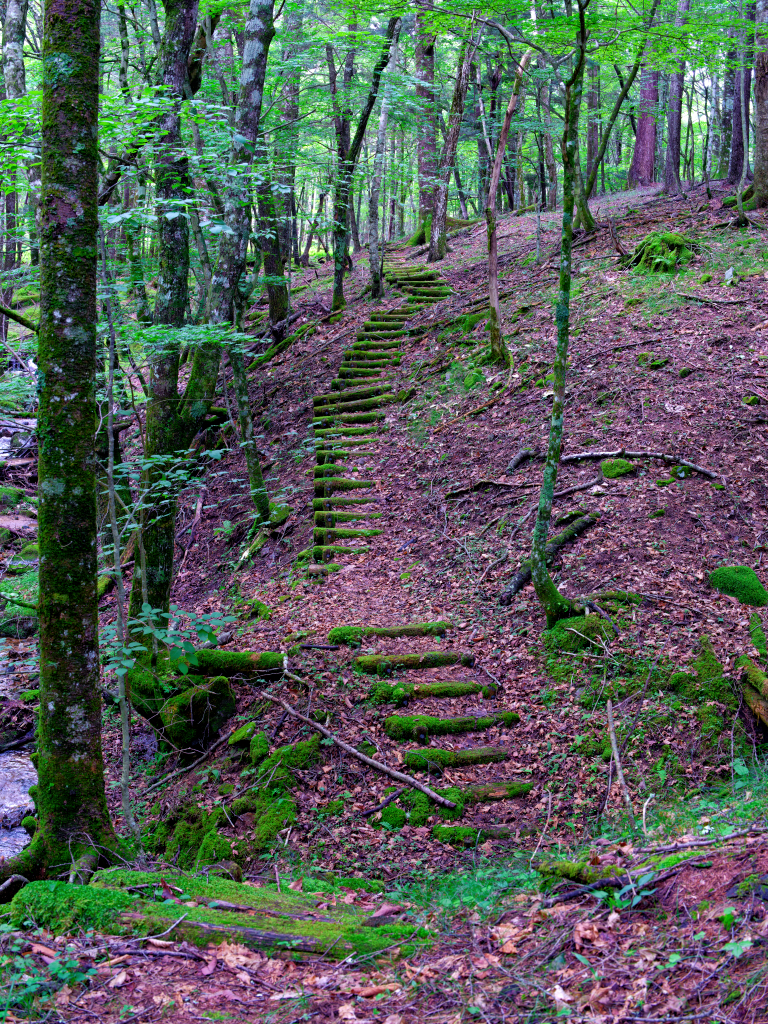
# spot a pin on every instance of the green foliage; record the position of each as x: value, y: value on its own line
x: 741, y: 582
x: 583, y: 632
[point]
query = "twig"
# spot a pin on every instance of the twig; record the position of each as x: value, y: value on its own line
x: 578, y: 487
x: 617, y: 759
x: 544, y: 831
x: 14, y: 878
x: 476, y: 486
x: 646, y: 805
x: 398, y: 776
x: 188, y: 768
x: 384, y: 803
x: 711, y: 302
x: 167, y: 930
x: 494, y: 565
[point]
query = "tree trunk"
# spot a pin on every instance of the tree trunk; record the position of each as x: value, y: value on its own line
x: 164, y: 433
x: 554, y: 604
x: 549, y: 152
x: 72, y: 813
x: 726, y: 114
x: 345, y: 169
x: 761, y: 104
x: 287, y: 142
x: 375, y: 244
x: 426, y: 144
x: 642, y: 170
x: 593, y: 116
x: 15, y: 87
x: 499, y: 350
x: 438, y: 243
x: 740, y: 137
x: 675, y: 113
x: 313, y: 229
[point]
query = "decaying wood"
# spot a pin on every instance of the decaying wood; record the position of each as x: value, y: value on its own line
x: 398, y: 776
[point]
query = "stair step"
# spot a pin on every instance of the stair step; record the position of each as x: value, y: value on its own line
x: 421, y: 727
x: 502, y: 789
x: 323, y: 534
x: 324, y: 552
x: 385, y: 664
x: 331, y: 432
x: 328, y: 519
x: 358, y: 417
x: 323, y: 503
x: 338, y: 483
x: 401, y: 693
x: 353, y: 634
x: 343, y: 405
x: 354, y: 393
x: 435, y: 758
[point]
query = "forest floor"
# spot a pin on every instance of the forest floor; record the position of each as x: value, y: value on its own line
x: 653, y: 369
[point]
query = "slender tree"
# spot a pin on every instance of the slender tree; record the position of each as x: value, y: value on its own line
x: 675, y: 113
x: 74, y: 831
x: 761, y: 104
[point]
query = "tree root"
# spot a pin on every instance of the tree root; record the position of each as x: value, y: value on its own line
x: 523, y: 574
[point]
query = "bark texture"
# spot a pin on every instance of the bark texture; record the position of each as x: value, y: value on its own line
x: 424, y: 56
x: 675, y: 114
x: 70, y: 798
x: 761, y: 104
x: 740, y: 128
x: 642, y: 170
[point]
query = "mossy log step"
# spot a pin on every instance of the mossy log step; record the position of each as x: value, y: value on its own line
x: 381, y: 336
x: 329, y: 469
x: 328, y: 443
x: 324, y: 552
x: 258, y: 917
x: 353, y: 394
x: 342, y: 406
x: 352, y: 374
x: 330, y: 432
x: 264, y: 664
x: 372, y: 353
x: 754, y: 684
x: 352, y: 363
x: 324, y: 454
x: 321, y: 504
x: 338, y: 483
x: 435, y: 758
x: 501, y: 790
x: 421, y: 727
x: 357, y: 417
x: 328, y: 519
x: 324, y: 534
x: 354, y: 634
x: 466, y: 835
x: 401, y: 693
x: 385, y: 664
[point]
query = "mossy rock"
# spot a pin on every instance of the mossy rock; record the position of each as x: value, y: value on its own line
x: 613, y: 468
x: 10, y: 497
x: 259, y: 610
x: 194, y: 715
x: 179, y: 838
x: 757, y: 634
x: 258, y: 749
x: 29, y: 824
x: 685, y: 371
x: 582, y: 632
x: 660, y: 252
x: 242, y: 737
x: 741, y: 582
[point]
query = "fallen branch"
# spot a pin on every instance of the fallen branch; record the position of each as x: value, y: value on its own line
x: 188, y: 768
x: 711, y: 302
x: 12, y: 315
x: 578, y: 487
x: 523, y: 574
x: 384, y: 803
x: 13, y: 880
x: 28, y: 737
x: 623, y: 452
x: 617, y: 760
x: 398, y: 776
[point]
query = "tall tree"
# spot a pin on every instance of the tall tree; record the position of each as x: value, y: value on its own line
x: 424, y: 56
x: 675, y: 113
x: 761, y: 103
x: 348, y: 152
x: 376, y: 239
x: 642, y: 169
x: 73, y: 824
x: 740, y: 124
x: 437, y: 243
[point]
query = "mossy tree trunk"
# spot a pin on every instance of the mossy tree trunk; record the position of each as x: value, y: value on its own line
x: 72, y: 813
x: 347, y: 161
x: 555, y: 605
x: 438, y: 243
x: 761, y: 104
x: 274, y: 269
x: 376, y: 243
x: 499, y: 350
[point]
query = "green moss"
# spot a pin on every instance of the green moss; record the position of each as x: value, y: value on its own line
x: 613, y: 468
x: 466, y: 835
x: 29, y: 824
x: 250, y: 664
x: 406, y: 727
x: 367, y: 748
x: 583, y: 632
x: 193, y: 716
x: 214, y: 849
x: 432, y: 758
x: 259, y: 610
x: 10, y: 497
x: 660, y: 252
x: 29, y: 696
x: 751, y: 400
x: 580, y: 872
x: 685, y: 371
x: 60, y: 907
x: 657, y: 514
x: 393, y: 816
x: 352, y: 635
x: 179, y: 838
x: 378, y: 664
x: 242, y: 737
x: 741, y: 582
x: 300, y: 755
x: 226, y: 789
x: 337, y: 883
x: 332, y: 809
x: 401, y: 693
x: 259, y: 748
x: 757, y: 633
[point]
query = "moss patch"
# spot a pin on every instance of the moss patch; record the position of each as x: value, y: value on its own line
x: 757, y: 633
x: 613, y: 468
x: 660, y: 252
x: 582, y: 632
x: 250, y: 664
x: 580, y: 872
x: 378, y: 664
x: 181, y: 837
x: 431, y: 758
x: 61, y: 907
x: 194, y: 715
x: 401, y: 693
x: 741, y: 582
x: 353, y: 635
